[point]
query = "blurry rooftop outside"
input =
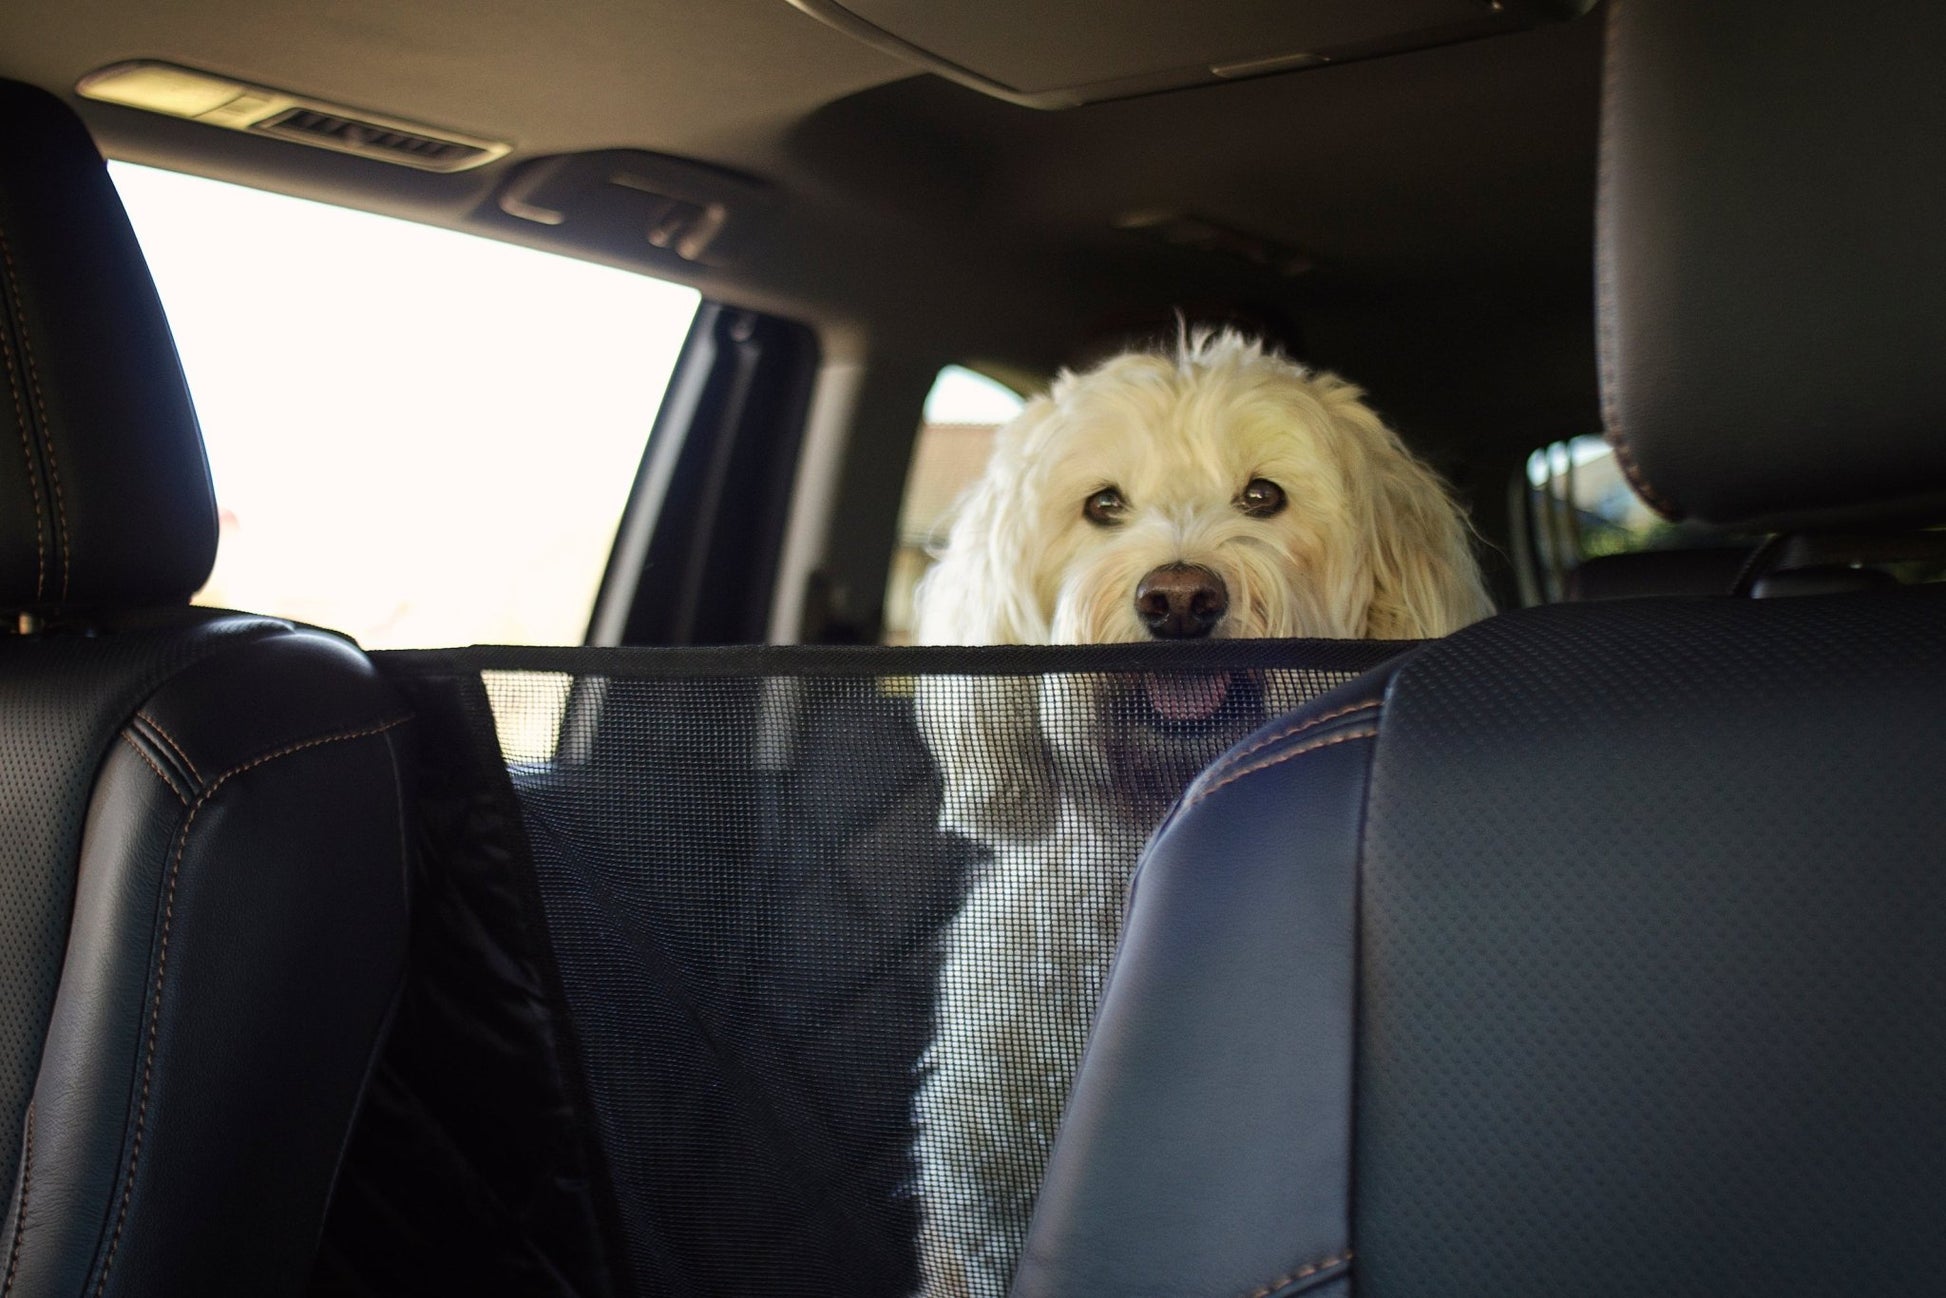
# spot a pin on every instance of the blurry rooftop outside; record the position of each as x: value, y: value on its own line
x: 418, y: 437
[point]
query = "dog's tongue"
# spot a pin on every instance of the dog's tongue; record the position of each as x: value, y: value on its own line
x: 1186, y: 698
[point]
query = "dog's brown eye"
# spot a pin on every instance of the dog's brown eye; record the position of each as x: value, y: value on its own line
x: 1261, y: 498
x: 1105, y: 508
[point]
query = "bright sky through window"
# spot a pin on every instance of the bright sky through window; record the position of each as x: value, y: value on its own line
x: 418, y: 437
x: 960, y: 396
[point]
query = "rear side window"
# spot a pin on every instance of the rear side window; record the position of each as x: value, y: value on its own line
x: 1573, y: 504
x: 963, y: 411
x: 1576, y: 504
x: 418, y: 437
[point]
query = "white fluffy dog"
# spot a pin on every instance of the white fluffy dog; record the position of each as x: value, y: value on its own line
x: 1218, y: 491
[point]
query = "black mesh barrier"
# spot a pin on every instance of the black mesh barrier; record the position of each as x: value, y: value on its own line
x: 828, y: 927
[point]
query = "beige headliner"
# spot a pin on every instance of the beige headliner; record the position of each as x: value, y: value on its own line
x: 714, y: 77
x: 1446, y: 195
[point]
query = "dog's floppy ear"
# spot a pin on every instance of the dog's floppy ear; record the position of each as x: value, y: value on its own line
x: 984, y: 732
x: 981, y: 591
x: 1425, y: 580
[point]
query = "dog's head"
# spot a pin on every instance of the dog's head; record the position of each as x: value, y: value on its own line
x: 1221, y: 491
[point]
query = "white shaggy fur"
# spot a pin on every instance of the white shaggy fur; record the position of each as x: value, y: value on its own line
x: 1368, y: 545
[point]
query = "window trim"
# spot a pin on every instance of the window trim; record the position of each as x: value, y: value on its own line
x: 699, y: 547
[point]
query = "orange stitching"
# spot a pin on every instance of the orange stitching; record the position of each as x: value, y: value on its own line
x: 137, y: 749
x: 40, y: 409
x: 1611, y: 414
x: 171, y: 741
x: 1311, y: 724
x: 1604, y: 255
x: 1301, y: 1273
x: 162, y: 969
x: 20, y: 1222
x: 1269, y: 762
x: 1618, y: 441
x: 27, y: 452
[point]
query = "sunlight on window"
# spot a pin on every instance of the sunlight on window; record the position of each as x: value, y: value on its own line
x: 528, y: 709
x: 962, y: 412
x: 960, y: 396
x: 418, y: 437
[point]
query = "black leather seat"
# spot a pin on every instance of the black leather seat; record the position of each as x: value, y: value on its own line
x: 1659, y: 572
x: 202, y: 874
x: 1600, y: 949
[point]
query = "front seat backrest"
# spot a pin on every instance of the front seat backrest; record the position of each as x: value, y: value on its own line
x: 202, y: 873
x: 1599, y: 949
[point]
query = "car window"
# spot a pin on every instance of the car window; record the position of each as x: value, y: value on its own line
x: 418, y: 437
x: 963, y: 410
x: 1579, y: 506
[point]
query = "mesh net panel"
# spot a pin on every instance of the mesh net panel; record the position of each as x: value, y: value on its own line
x: 831, y: 926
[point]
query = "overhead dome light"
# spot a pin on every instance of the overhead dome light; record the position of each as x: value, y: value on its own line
x: 1185, y: 230
x: 239, y: 106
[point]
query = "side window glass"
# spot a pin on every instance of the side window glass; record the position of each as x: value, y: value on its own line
x: 963, y: 411
x: 1579, y: 506
x: 418, y: 437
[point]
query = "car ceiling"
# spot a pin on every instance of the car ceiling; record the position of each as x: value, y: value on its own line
x: 1445, y: 196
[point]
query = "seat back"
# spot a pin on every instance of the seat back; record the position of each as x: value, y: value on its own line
x: 1597, y: 948
x: 202, y: 890
x: 713, y: 992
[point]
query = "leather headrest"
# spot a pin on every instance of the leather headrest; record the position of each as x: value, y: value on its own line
x: 1772, y: 260
x: 105, y: 499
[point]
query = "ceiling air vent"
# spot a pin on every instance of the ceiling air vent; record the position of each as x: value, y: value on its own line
x: 260, y: 110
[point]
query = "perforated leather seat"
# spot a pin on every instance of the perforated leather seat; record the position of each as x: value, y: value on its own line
x: 1599, y: 949
x: 202, y: 873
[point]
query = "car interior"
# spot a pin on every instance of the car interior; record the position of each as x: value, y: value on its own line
x: 1591, y: 948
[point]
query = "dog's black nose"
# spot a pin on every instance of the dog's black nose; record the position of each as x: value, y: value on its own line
x: 1179, y: 601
